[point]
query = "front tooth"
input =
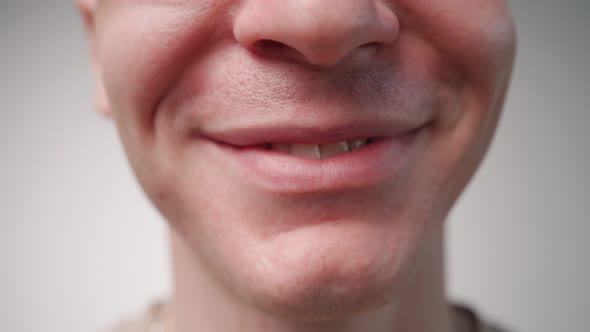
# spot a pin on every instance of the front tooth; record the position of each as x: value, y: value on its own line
x: 333, y: 149
x: 306, y: 150
x: 357, y: 144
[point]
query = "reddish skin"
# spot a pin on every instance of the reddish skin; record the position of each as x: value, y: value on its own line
x: 177, y: 72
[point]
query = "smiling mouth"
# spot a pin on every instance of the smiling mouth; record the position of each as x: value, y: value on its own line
x: 291, y: 162
x: 318, y: 151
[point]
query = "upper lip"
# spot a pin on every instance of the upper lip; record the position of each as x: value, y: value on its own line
x: 253, y: 134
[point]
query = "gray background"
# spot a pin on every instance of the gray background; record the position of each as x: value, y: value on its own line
x: 80, y: 246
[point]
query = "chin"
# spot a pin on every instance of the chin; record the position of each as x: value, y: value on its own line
x: 309, y: 296
x: 328, y: 273
x: 308, y: 301
x: 308, y: 259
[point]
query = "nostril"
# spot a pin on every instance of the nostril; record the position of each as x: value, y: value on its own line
x: 270, y: 44
x: 272, y: 48
x: 318, y: 34
x: 372, y: 47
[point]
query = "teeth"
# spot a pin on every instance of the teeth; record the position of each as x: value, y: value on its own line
x: 331, y: 150
x: 357, y: 144
x: 311, y: 151
x: 322, y: 151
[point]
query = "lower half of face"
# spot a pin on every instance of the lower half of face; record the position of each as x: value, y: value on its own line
x: 307, y: 173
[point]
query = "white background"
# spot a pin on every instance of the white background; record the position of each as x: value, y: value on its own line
x: 80, y: 247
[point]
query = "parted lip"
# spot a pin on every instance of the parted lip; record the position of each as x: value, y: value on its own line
x: 253, y: 135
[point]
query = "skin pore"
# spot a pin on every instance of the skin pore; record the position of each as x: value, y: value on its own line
x: 223, y: 106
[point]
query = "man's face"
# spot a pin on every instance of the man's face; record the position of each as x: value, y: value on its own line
x: 305, y: 150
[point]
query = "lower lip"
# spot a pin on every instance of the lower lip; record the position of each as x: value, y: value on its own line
x: 286, y: 174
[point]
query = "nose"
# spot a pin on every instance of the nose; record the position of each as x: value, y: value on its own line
x: 318, y: 32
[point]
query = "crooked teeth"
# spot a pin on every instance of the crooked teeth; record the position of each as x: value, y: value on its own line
x: 306, y: 151
x: 331, y: 150
x: 357, y: 144
x: 319, y: 151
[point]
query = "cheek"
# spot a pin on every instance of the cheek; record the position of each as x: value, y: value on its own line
x: 144, y: 49
x: 477, y: 36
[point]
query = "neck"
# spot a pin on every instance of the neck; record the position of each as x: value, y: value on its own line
x: 201, y: 303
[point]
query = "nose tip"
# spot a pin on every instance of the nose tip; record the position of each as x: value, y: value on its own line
x: 318, y: 32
